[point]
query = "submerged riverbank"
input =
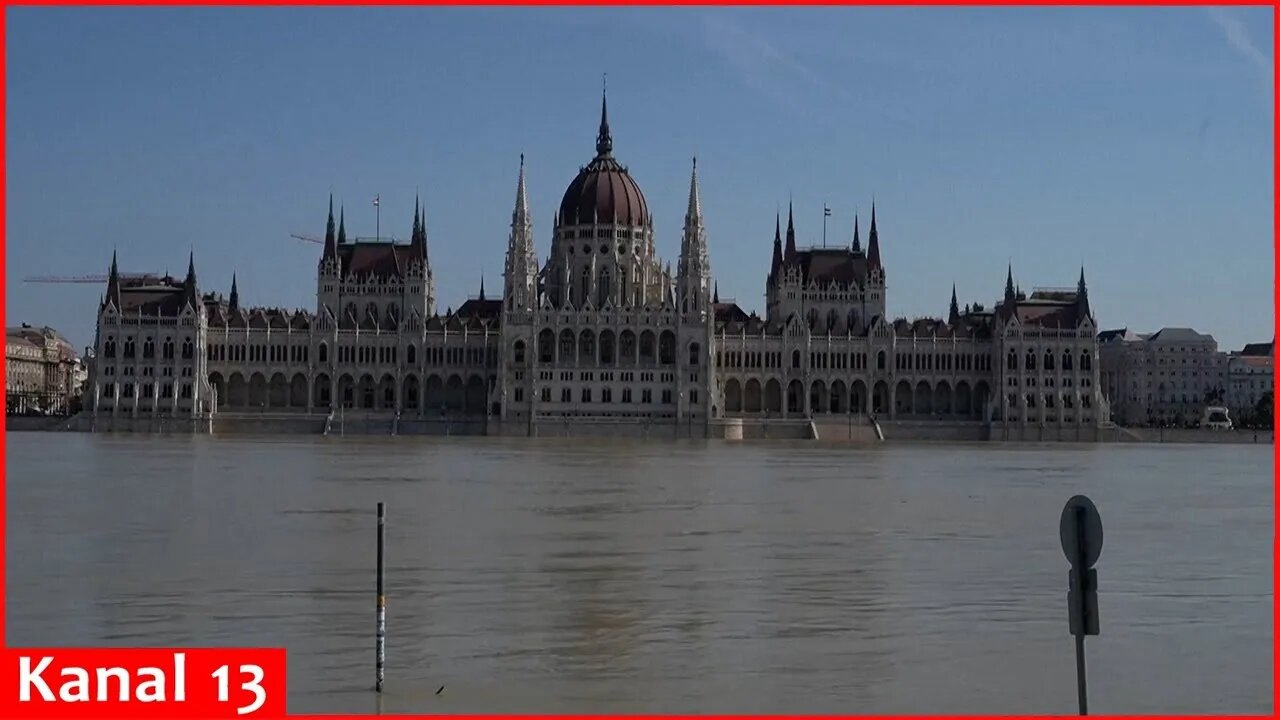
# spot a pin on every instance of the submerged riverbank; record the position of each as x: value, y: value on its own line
x: 859, y: 430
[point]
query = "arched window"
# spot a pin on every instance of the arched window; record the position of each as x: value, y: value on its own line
x: 1066, y: 359
x: 130, y: 348
x: 1031, y: 359
x: 1013, y: 360
x: 324, y: 352
x: 148, y: 348
x: 166, y: 350
x: 1085, y: 363
x: 586, y: 284
x: 411, y: 355
x: 519, y: 351
x: 880, y: 360
x: 604, y: 288
x: 1048, y: 359
x: 371, y: 311
x: 694, y: 349
x: 795, y: 358
x: 109, y: 347
x: 188, y: 349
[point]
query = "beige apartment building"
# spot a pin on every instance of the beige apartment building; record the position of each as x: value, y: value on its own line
x: 42, y: 372
x: 1169, y: 377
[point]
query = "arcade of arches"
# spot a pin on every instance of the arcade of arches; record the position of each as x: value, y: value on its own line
x: 437, y: 396
x: 903, y: 400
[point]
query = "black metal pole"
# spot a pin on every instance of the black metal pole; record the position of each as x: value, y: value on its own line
x: 1082, y: 594
x: 1080, y: 676
x: 381, y: 628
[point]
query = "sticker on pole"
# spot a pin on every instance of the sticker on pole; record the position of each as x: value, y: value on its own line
x: 1081, y: 532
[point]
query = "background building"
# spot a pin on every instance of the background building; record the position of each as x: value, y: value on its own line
x: 1161, y: 378
x: 42, y: 372
x: 1250, y: 376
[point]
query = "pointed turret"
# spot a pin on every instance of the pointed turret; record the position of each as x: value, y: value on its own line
x: 189, y: 293
x: 1082, y: 298
x: 520, y: 215
x: 521, y: 270
x: 481, y: 287
x: 694, y: 212
x: 873, y: 240
x: 234, y: 303
x: 1009, y: 295
x: 776, y: 267
x: 790, y: 253
x: 342, y: 226
x: 694, y: 268
x: 715, y: 297
x: 329, y: 249
x: 953, y: 317
x: 413, y: 238
x: 604, y: 140
x: 422, y: 232
x: 113, y: 284
x: 857, y: 242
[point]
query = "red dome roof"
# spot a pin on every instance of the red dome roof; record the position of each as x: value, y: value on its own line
x: 603, y: 191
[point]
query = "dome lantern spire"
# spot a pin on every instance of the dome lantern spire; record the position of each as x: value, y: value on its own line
x: 604, y: 139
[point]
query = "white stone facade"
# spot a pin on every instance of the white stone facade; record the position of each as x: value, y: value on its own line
x: 601, y: 331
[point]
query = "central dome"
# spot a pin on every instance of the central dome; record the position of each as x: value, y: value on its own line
x: 603, y: 191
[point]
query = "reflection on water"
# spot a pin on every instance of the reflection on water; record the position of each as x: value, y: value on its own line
x: 573, y: 576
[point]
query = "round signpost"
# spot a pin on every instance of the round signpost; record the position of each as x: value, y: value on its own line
x: 1080, y: 530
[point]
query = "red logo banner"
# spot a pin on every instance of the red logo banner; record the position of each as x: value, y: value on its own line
x: 142, y: 683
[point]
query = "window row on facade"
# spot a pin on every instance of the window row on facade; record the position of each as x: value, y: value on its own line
x: 624, y: 348
x: 129, y: 348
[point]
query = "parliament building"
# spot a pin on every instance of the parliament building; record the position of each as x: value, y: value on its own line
x: 596, y: 335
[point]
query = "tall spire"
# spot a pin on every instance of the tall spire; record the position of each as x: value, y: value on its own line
x: 791, y: 234
x: 189, y: 284
x: 857, y: 243
x: 604, y: 140
x: 482, y: 287
x: 234, y: 303
x: 873, y: 240
x: 329, y: 249
x: 520, y: 215
x: 776, y: 267
x: 694, y: 212
x: 715, y: 297
x: 113, y: 283
x: 521, y: 270
x: 1082, y: 298
x: 694, y: 269
x: 413, y: 238
x: 422, y: 229
x: 953, y: 317
x: 342, y: 225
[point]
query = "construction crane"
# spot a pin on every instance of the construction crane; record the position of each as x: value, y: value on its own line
x: 97, y: 279
x: 317, y: 241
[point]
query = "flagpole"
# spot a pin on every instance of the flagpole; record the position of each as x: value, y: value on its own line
x: 377, y: 227
x: 825, y: 212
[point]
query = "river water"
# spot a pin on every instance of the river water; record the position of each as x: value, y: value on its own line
x: 574, y: 576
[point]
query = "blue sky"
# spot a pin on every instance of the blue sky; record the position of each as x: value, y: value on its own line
x: 1137, y: 142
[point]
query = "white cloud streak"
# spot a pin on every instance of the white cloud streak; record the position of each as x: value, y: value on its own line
x: 760, y: 63
x: 1237, y: 37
